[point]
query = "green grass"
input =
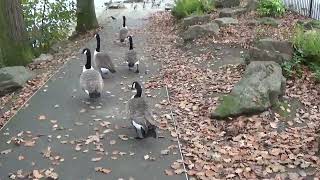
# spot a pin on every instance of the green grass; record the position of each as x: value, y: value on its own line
x: 273, y: 8
x: 307, y: 46
x: 184, y: 8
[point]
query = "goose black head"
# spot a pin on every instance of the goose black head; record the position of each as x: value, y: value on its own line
x: 87, y: 52
x: 97, y: 36
x: 137, y: 86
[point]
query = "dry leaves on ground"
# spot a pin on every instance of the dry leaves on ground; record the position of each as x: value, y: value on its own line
x: 246, y: 147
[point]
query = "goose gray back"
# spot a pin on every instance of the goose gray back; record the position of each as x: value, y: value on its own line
x: 102, y: 60
x: 90, y: 79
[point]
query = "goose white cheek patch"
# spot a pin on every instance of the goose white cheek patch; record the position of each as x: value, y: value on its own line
x: 137, y: 63
x: 86, y: 91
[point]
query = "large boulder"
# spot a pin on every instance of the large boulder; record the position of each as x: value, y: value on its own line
x: 226, y: 21
x: 197, y: 31
x: 193, y: 20
x: 231, y: 12
x: 271, y: 50
x: 269, y: 21
x: 260, y: 88
x: 227, y: 3
x: 13, y: 78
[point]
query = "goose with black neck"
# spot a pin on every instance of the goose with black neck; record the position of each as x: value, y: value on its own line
x: 140, y: 114
x: 90, y: 80
x: 124, y: 30
x: 131, y: 56
x: 102, y: 60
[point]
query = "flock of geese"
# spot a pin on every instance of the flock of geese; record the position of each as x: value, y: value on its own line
x: 93, y: 73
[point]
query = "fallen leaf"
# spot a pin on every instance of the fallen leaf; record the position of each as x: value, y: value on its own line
x: 102, y: 170
x: 179, y: 171
x: 30, y: 143
x: 37, y: 174
x: 123, y: 137
x: 146, y: 157
x: 42, y: 117
x: 168, y: 172
x: 96, y: 159
x: 77, y: 148
x: 6, y: 151
x: 274, y: 125
x: 112, y: 142
x: 175, y: 165
x: 78, y: 123
x: 20, y: 157
x: 107, y: 131
x: 165, y: 152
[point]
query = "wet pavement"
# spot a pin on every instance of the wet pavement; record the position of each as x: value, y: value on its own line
x: 61, y: 128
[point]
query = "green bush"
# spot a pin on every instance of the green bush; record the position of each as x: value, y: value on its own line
x: 307, y: 46
x: 271, y: 8
x: 184, y: 8
x: 307, y: 43
x: 293, y: 68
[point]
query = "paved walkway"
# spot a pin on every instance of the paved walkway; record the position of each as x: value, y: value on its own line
x: 60, y: 117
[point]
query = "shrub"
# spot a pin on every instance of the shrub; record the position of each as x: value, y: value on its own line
x: 307, y: 46
x: 293, y: 68
x: 271, y: 8
x: 307, y: 43
x: 184, y: 8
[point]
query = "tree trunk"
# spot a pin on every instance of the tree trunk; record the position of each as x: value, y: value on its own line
x: 86, y: 16
x: 14, y: 49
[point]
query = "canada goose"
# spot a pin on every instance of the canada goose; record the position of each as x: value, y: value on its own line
x: 140, y: 115
x: 123, y: 31
x: 135, y: 6
x: 131, y: 56
x: 90, y: 79
x: 113, y: 18
x: 102, y: 61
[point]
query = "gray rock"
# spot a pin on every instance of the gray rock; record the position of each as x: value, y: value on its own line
x: 44, y: 57
x: 226, y: 21
x: 197, y: 31
x: 260, y: 88
x: 193, y: 20
x: 252, y: 5
x: 310, y: 24
x: 227, y: 3
x: 13, y: 78
x: 269, y: 21
x: 271, y: 50
x: 231, y: 12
